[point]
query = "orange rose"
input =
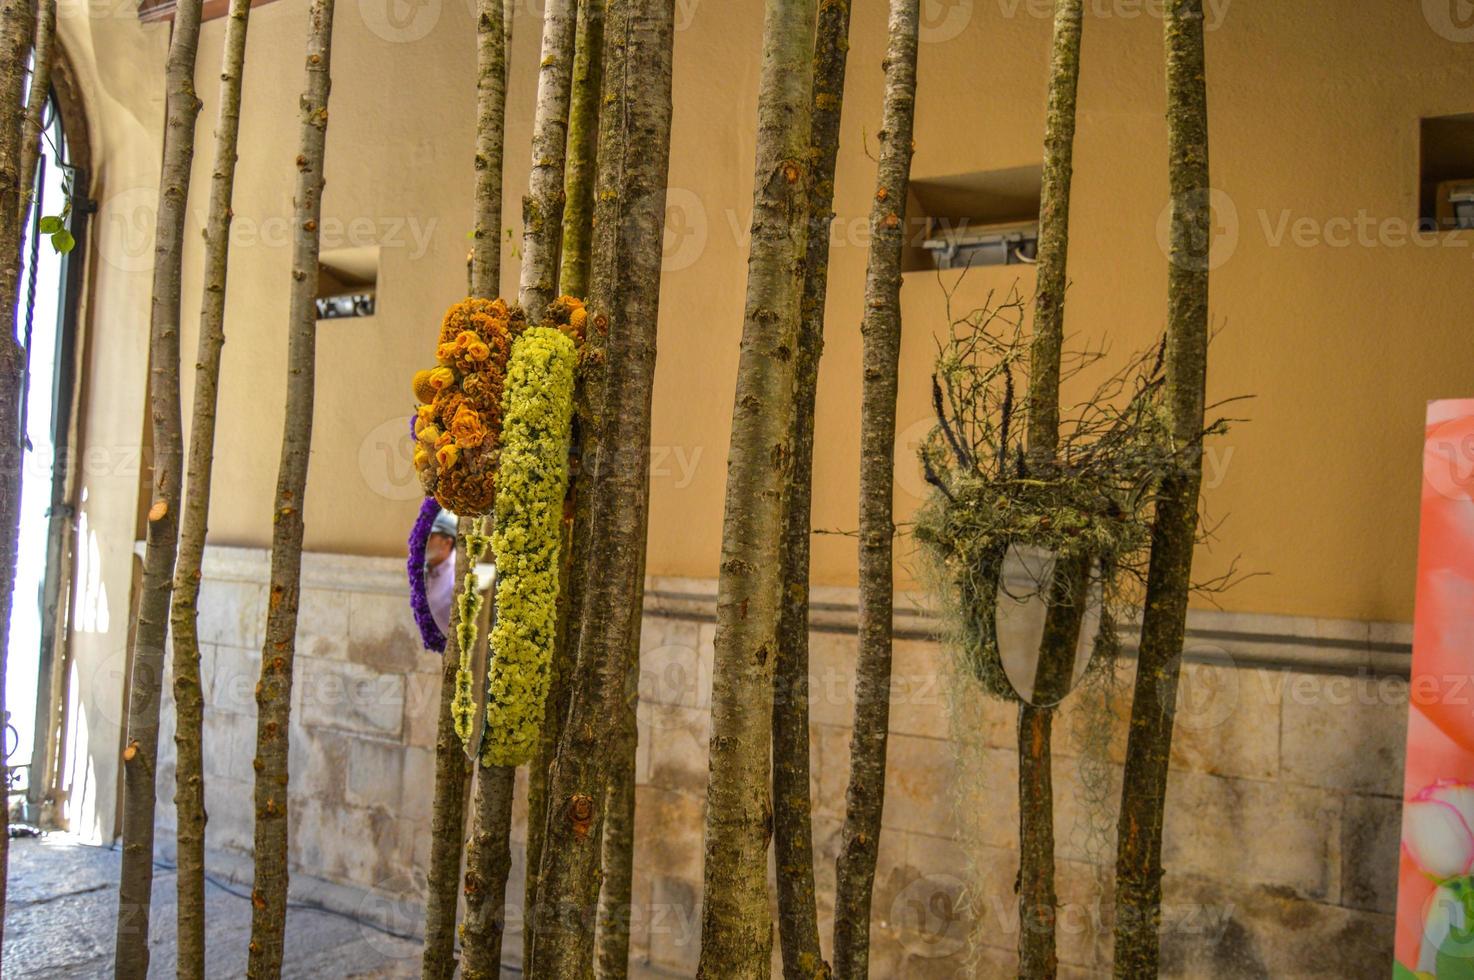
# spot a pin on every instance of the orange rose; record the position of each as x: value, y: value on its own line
x: 467, y: 429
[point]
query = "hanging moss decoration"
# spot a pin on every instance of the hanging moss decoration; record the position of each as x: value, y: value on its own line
x: 533, y: 481
x: 468, y: 610
x: 458, y: 422
x: 1091, y: 510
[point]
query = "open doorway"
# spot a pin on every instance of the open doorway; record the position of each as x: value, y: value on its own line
x: 52, y: 262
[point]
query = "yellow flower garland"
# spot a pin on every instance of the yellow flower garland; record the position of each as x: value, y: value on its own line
x: 537, y: 414
x: 468, y: 605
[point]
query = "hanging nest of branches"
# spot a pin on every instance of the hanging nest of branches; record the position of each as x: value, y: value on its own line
x: 1089, y: 508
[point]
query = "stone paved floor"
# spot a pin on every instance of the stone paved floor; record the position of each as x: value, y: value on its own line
x: 62, y: 909
x: 61, y: 914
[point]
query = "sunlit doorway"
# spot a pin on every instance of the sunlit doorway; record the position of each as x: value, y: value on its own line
x: 46, y: 325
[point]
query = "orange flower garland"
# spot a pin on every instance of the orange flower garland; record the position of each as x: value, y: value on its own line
x: 459, y: 420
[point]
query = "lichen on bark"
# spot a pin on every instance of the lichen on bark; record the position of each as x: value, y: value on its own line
x: 274, y: 691
x: 189, y: 779
x: 880, y: 364
x: 1174, y: 533
x: 793, y: 836
x: 140, y: 756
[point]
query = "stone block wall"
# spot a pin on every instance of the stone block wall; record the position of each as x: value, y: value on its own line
x: 1282, y: 828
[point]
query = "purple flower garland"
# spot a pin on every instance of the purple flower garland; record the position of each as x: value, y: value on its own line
x: 419, y: 601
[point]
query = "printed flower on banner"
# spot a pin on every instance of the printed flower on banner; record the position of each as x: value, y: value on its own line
x: 1439, y: 829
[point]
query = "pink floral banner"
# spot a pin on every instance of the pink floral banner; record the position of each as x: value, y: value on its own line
x: 1435, y: 895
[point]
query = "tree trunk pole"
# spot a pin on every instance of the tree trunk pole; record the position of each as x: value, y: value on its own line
x: 736, y: 934
x: 1037, y: 894
x: 447, y: 814
x: 542, y: 207
x: 624, y: 300
x: 274, y: 692
x: 140, y: 757
x: 583, y: 145
x: 30, y: 147
x: 1174, y: 532
x: 452, y: 769
x: 189, y: 789
x: 16, y: 34
x: 488, y: 862
x: 617, y: 858
x: 573, y: 555
x: 493, y: 35
x: 881, y: 334
x: 612, y: 932
x: 1054, y: 233
x: 578, y: 217
x: 798, y: 916
x: 488, y: 855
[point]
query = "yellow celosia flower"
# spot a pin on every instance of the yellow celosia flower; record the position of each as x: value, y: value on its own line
x: 473, y: 346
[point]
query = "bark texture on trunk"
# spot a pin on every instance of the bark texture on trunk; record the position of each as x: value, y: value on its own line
x: 16, y: 33
x: 542, y: 207
x: 1054, y: 232
x: 274, y: 692
x: 617, y: 858
x: 578, y: 220
x: 583, y: 147
x: 189, y: 779
x: 880, y: 363
x: 1037, y: 897
x: 493, y: 33
x: 488, y: 861
x: 573, y: 553
x: 624, y: 300
x: 447, y: 814
x: 488, y: 855
x: 798, y: 916
x: 1037, y: 893
x: 140, y: 756
x: 30, y: 133
x: 1174, y: 531
x: 618, y: 869
x: 736, y: 935
x: 452, y: 768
